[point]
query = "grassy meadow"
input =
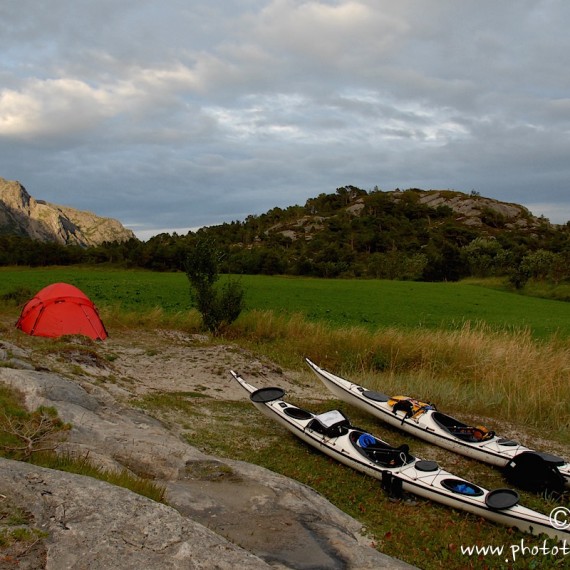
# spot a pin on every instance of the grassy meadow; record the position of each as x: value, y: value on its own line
x: 370, y: 304
x: 476, y: 352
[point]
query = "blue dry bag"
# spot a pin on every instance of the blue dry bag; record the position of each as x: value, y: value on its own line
x: 365, y: 440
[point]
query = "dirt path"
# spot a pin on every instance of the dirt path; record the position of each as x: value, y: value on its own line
x: 138, y: 362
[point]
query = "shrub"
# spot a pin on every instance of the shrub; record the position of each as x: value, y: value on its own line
x: 219, y: 306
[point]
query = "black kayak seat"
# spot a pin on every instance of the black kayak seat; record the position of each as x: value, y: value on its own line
x: 264, y: 395
x: 450, y: 424
x: 423, y: 465
x: 500, y: 499
x: 375, y: 396
x: 297, y: 413
x: 507, y: 442
x: 462, y: 487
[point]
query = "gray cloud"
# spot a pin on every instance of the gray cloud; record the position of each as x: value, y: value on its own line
x: 181, y: 114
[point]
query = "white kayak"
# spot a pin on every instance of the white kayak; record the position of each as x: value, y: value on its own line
x: 395, y: 467
x: 426, y: 422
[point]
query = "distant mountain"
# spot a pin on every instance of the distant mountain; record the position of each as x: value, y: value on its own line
x: 22, y: 215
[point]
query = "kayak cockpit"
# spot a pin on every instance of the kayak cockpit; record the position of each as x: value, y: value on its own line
x: 465, y: 432
x: 462, y: 487
x: 379, y: 451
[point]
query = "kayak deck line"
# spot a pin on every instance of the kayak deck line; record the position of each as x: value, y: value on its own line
x: 396, y: 468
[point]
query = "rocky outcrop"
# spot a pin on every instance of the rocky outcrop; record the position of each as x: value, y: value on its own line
x: 475, y: 210
x: 485, y: 215
x: 220, y: 514
x: 23, y: 215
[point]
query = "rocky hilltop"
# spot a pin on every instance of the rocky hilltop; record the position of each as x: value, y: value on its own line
x: 483, y: 215
x: 23, y: 215
x: 476, y: 210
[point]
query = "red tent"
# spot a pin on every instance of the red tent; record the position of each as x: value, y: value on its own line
x: 61, y: 309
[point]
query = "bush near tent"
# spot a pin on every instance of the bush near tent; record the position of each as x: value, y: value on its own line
x: 61, y: 309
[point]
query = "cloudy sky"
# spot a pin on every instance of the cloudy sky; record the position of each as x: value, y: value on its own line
x: 176, y: 114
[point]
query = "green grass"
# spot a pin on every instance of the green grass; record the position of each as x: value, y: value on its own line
x: 17, y: 535
x: 534, y: 288
x: 376, y: 303
x: 467, y: 347
x: 129, y: 290
x: 82, y: 465
x: 370, y: 303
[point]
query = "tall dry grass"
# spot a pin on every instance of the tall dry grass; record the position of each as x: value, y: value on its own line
x: 115, y: 317
x: 505, y: 374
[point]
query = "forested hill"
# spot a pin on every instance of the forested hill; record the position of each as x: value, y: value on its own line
x: 412, y: 234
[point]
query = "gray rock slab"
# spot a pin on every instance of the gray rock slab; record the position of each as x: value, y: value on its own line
x: 280, y: 521
x: 91, y: 524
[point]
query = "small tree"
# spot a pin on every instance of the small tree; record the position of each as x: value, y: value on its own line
x: 219, y: 306
x: 24, y: 433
